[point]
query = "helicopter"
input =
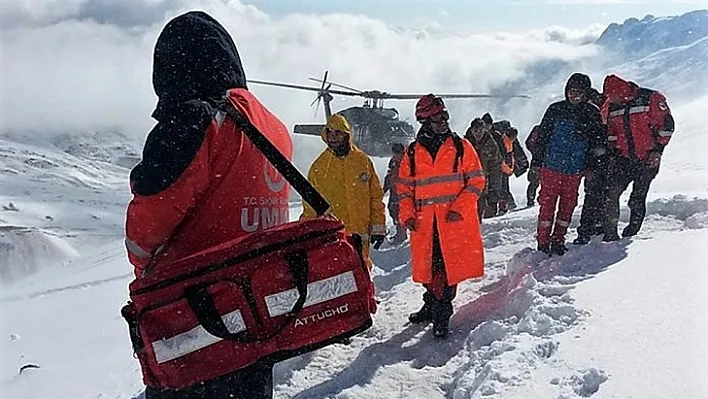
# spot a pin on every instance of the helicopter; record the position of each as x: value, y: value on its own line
x: 374, y: 127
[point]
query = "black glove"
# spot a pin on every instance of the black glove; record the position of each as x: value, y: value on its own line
x: 377, y: 240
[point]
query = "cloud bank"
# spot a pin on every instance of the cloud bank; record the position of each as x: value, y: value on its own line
x: 81, y: 65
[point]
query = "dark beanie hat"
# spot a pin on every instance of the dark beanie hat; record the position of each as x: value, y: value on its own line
x: 578, y: 81
x: 487, y: 118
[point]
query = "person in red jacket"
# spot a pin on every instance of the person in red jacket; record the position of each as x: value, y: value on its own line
x: 201, y: 182
x: 639, y: 126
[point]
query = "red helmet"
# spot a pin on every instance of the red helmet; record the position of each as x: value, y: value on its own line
x: 429, y: 105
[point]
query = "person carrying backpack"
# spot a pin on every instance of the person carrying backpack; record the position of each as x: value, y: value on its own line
x: 188, y: 190
x: 514, y: 161
x: 639, y: 126
x: 439, y: 183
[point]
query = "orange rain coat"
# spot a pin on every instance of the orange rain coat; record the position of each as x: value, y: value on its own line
x: 429, y: 195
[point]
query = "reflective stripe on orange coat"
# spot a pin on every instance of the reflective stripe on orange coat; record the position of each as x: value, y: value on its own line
x: 429, y: 195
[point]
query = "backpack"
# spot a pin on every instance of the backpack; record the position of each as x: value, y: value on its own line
x: 460, y: 151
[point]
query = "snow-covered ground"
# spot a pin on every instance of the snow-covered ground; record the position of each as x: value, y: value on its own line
x: 608, y: 320
x: 616, y: 320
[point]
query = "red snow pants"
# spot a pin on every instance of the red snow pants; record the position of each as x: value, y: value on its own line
x: 557, y: 190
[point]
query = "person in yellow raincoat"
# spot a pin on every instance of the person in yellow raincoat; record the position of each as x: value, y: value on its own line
x: 346, y: 178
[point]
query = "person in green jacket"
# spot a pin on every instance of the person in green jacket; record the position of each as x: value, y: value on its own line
x: 488, y: 151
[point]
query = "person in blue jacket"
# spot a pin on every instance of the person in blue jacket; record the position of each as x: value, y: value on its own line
x: 570, y: 135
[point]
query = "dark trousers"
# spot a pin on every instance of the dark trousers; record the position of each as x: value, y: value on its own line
x: 482, y: 204
x: 592, y: 216
x: 506, y: 198
x: 534, y: 177
x: 438, y: 294
x: 439, y: 288
x: 394, y: 210
x: 628, y: 171
x: 253, y: 382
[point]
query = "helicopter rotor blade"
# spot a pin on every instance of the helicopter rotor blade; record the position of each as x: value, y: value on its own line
x: 448, y: 95
x: 324, y: 80
x: 299, y: 87
x: 338, y: 85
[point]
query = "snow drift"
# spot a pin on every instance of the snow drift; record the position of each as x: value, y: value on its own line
x: 25, y: 251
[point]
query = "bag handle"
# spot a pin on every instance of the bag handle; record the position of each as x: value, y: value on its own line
x: 303, y: 187
x: 202, y: 304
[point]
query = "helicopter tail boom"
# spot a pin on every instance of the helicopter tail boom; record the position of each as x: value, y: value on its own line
x: 309, y: 129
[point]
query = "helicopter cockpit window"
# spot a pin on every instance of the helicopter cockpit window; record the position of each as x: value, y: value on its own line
x: 390, y: 113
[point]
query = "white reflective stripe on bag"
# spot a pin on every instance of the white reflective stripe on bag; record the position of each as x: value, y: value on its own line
x: 317, y: 292
x: 195, y: 339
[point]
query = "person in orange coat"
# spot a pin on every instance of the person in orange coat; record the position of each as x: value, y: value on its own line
x: 439, y: 182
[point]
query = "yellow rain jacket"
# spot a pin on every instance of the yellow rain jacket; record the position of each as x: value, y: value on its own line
x: 351, y: 186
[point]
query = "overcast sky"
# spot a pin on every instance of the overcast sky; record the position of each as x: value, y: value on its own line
x: 82, y: 65
x: 484, y: 16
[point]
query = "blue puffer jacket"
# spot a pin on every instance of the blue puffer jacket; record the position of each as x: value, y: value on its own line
x: 568, y: 136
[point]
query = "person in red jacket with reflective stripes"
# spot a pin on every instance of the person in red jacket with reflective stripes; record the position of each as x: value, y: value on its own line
x: 640, y: 125
x: 201, y: 182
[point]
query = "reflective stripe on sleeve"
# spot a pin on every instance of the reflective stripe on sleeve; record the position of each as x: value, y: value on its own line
x: 135, y: 249
x: 473, y: 189
x: 639, y: 109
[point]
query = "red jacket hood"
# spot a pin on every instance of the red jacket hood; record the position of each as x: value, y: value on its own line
x: 618, y: 90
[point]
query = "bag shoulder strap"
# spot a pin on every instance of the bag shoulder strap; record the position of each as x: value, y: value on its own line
x: 411, y: 158
x: 303, y: 187
x: 459, y: 152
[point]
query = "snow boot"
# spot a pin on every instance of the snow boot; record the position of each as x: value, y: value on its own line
x: 545, y: 248
x: 441, y: 318
x: 631, y: 230
x: 610, y: 232
x: 344, y: 341
x: 425, y: 314
x: 512, y: 205
x: 491, y: 210
x: 558, y: 248
x: 503, y: 208
x: 581, y: 240
x: 610, y: 237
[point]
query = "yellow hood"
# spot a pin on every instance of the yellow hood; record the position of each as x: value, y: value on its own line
x: 337, y: 122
